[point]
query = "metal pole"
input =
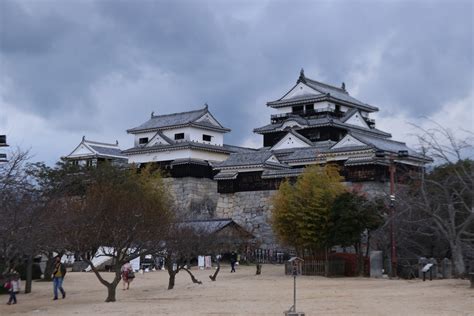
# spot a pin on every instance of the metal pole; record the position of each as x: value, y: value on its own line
x: 294, y: 293
x: 392, y: 216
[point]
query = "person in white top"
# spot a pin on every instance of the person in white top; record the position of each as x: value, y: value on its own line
x: 13, y: 286
x: 127, y: 275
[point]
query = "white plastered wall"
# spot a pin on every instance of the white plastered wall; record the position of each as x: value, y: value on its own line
x: 194, y: 134
x: 357, y: 120
x: 299, y: 90
x: 290, y: 141
x: 82, y: 150
x: 176, y: 154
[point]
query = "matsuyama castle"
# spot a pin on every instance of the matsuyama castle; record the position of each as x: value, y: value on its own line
x: 313, y: 123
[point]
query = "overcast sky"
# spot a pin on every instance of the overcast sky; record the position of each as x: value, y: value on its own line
x: 97, y: 68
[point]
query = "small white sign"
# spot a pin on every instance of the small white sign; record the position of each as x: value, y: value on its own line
x: 427, y: 267
x: 135, y: 264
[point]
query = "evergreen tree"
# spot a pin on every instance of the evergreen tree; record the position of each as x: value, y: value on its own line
x: 350, y: 216
x: 302, y: 212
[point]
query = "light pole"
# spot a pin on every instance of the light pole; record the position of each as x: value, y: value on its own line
x: 392, y: 169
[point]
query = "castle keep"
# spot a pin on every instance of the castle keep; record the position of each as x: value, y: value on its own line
x: 313, y: 123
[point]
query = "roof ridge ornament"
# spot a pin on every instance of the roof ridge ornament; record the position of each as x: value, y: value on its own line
x: 301, y: 78
x: 152, y: 114
x: 206, y: 106
x: 343, y: 86
x: 83, y: 138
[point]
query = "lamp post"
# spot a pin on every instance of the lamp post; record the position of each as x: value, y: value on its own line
x: 392, y: 169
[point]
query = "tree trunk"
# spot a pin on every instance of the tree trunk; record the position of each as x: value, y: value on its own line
x: 112, y: 287
x: 48, y: 270
x: 367, y: 250
x: 458, y: 259
x: 214, y: 276
x: 259, y: 269
x: 172, y: 276
x: 111, y: 292
x: 360, y: 260
x: 29, y: 274
x: 192, y: 276
x: 326, y: 263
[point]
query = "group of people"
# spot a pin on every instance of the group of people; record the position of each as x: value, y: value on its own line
x: 13, y: 283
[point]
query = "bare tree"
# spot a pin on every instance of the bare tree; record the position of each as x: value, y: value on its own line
x: 24, y: 223
x: 121, y: 214
x: 439, y: 204
x: 182, y: 244
x: 186, y: 240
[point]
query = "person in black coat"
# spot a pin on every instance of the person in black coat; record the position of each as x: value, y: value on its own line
x: 233, y: 260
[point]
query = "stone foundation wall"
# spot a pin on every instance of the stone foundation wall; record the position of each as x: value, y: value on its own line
x: 198, y: 198
x: 193, y: 197
x: 252, y: 210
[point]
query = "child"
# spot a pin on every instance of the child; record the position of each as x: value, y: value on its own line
x: 13, y: 286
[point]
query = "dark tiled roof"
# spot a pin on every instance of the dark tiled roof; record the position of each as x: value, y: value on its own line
x: 107, y: 151
x: 318, y: 122
x: 327, y: 92
x: 305, y: 154
x: 282, y: 173
x: 189, y: 161
x: 335, y: 92
x: 380, y: 143
x: 177, y: 119
x: 98, y: 149
x: 212, y: 226
x: 250, y: 159
x: 226, y: 175
x: 302, y: 121
x: 357, y: 161
x: 245, y: 159
x: 239, y: 149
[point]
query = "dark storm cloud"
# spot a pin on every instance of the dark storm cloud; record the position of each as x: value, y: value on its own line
x: 56, y: 60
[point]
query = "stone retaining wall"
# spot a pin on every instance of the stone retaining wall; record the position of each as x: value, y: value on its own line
x: 193, y: 197
x: 252, y: 210
x: 198, y: 198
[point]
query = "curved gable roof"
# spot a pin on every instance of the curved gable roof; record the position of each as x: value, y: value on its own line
x: 165, y: 121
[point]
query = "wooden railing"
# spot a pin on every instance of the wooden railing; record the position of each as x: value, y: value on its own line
x: 318, y: 267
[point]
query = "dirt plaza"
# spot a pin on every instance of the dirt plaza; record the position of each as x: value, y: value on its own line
x: 244, y: 293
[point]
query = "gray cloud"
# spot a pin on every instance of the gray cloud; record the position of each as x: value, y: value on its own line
x: 101, y: 67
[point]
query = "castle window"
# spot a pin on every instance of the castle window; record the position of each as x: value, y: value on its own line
x: 206, y: 138
x: 298, y: 109
x: 143, y: 140
x: 178, y: 136
x: 309, y: 107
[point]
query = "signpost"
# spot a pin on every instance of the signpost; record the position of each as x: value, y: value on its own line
x: 296, y: 269
x: 427, y: 268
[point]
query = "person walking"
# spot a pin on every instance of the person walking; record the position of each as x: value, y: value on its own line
x: 127, y: 275
x: 233, y: 260
x: 58, y: 278
x: 13, y: 286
